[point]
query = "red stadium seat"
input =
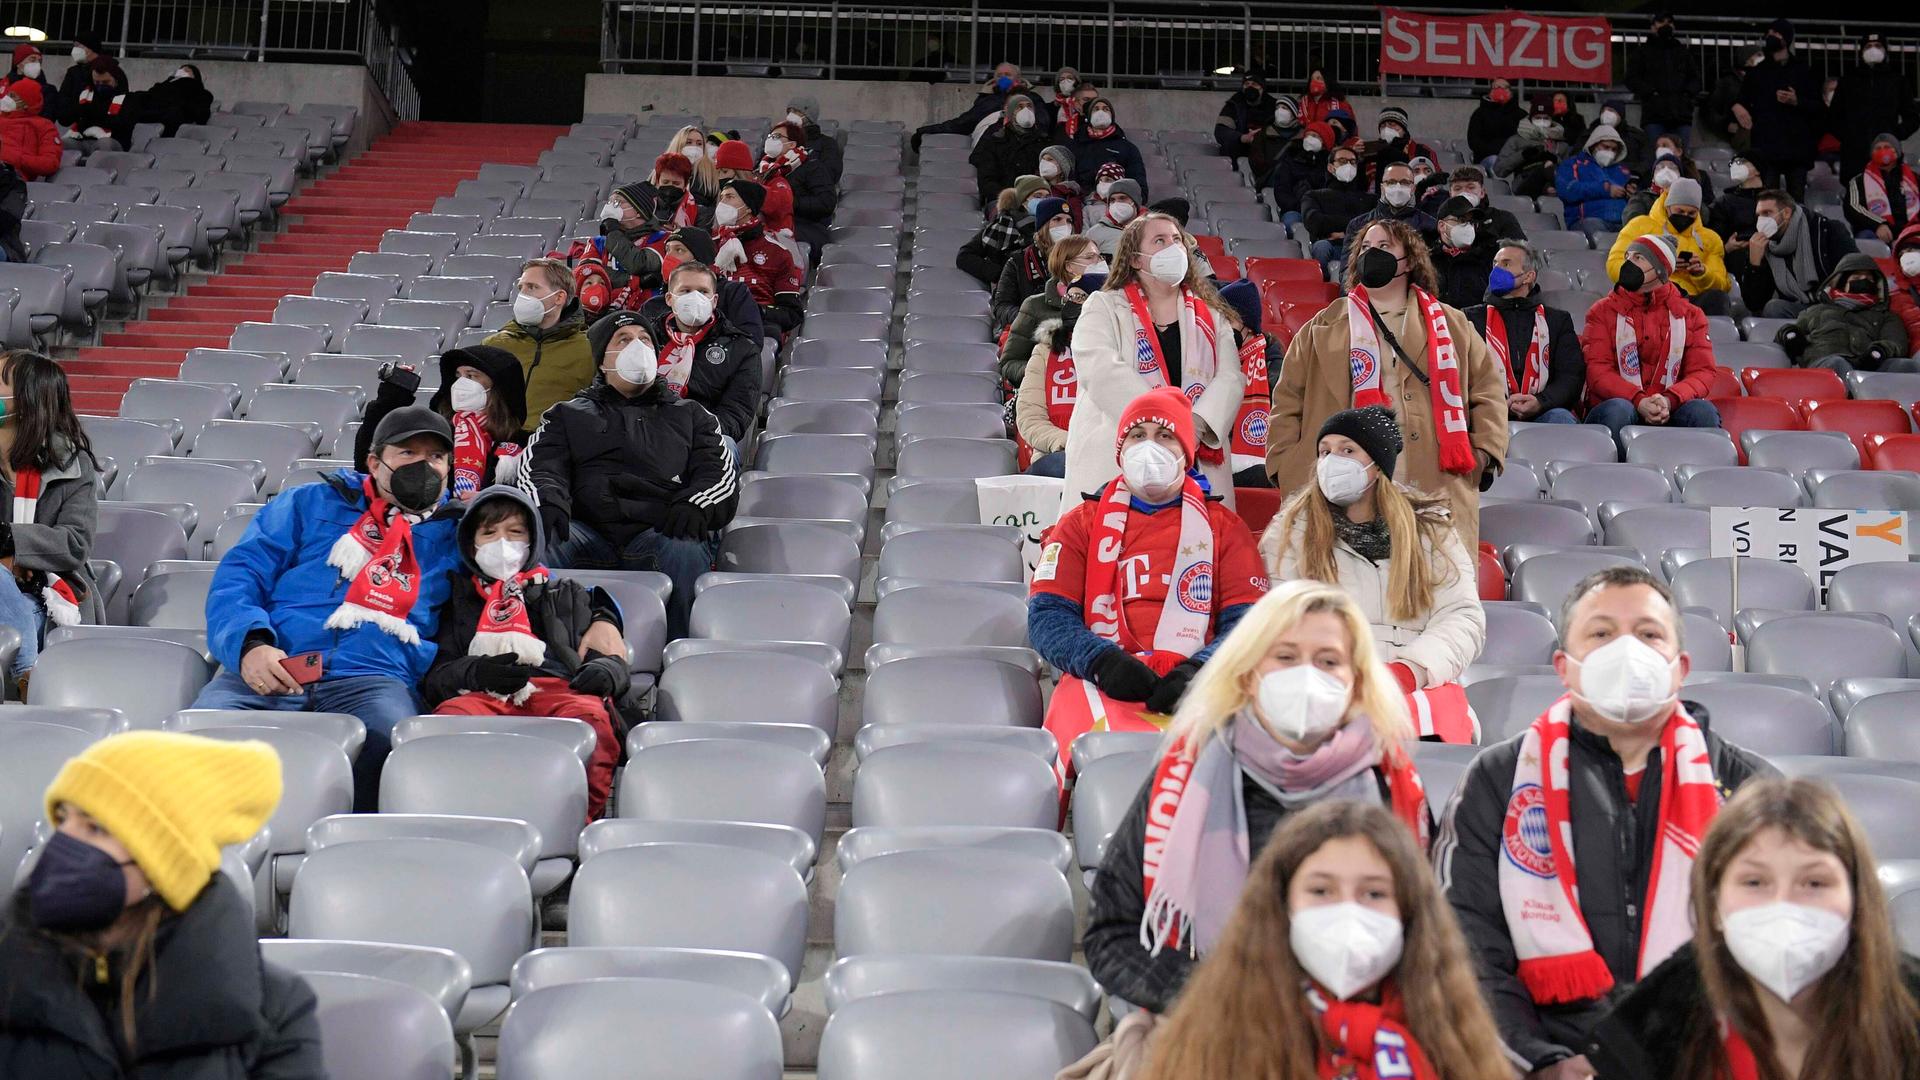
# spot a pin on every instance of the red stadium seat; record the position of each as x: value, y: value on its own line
x: 1225, y: 266
x: 1738, y: 414
x: 1797, y: 385
x: 1285, y: 272
x: 1493, y: 576
x: 1892, y: 452
x: 1726, y: 384
x: 1858, y: 419
x: 1257, y: 506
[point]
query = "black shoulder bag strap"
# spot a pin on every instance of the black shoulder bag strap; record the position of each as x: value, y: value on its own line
x: 1381, y: 325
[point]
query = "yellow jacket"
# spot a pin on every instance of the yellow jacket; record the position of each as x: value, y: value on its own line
x: 1700, y: 240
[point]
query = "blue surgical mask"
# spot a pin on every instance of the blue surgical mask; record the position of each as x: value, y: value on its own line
x: 1033, y: 207
x: 1003, y: 84
x: 1500, y: 281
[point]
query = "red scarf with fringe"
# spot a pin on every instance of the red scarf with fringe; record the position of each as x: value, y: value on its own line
x: 376, y: 556
x: 1365, y: 1041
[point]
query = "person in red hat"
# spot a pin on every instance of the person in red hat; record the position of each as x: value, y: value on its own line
x: 28, y: 141
x: 27, y: 65
x: 1136, y: 584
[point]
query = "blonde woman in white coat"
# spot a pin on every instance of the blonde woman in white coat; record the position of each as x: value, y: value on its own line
x: 1396, y: 552
x: 1157, y: 322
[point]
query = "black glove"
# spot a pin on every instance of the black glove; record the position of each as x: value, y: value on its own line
x: 553, y: 520
x: 609, y: 225
x: 402, y: 379
x: 684, y: 521
x: 1791, y: 339
x: 599, y: 677
x: 915, y: 141
x: 1174, y: 683
x: 1122, y: 676
x: 499, y: 674
x: 1875, y: 354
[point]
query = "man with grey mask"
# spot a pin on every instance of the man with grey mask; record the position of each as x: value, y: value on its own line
x: 1566, y: 849
x: 330, y: 601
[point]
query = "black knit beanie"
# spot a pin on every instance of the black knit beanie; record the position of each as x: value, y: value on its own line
x: 1373, y: 428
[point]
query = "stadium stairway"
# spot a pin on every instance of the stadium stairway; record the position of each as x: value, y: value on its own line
x: 322, y: 227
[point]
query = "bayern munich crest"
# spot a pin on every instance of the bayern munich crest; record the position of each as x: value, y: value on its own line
x: 1253, y: 429
x: 1195, y: 589
x: 1525, y: 834
x: 1363, y: 363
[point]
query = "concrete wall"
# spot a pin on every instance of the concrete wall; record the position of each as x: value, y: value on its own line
x: 295, y: 84
x: 914, y: 104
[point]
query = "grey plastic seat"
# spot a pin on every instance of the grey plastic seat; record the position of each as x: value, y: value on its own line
x: 275, y: 444
x: 1654, y: 529
x: 875, y: 737
x: 378, y: 1027
x: 1507, y: 703
x: 1881, y: 727
x: 1591, y: 484
x: 1764, y: 583
x: 1091, y: 746
x: 950, y: 555
x: 928, y: 501
x: 950, y: 356
x: 955, y: 782
x: 126, y: 439
x: 1868, y: 491
x: 848, y: 327
x: 392, y: 890
x: 838, y: 383
x: 511, y: 837
x: 516, y: 245
x: 1102, y: 794
x: 323, y: 313
x: 864, y: 843
x: 390, y: 264
x: 94, y: 274
x: 761, y: 978
x: 790, y: 547
x: 984, y: 420
x: 204, y: 485
x: 1667, y: 446
x: 345, y: 731
x: 950, y: 615
x: 411, y: 344
x: 495, y: 774
x: 875, y: 301
x: 441, y: 974
x: 449, y: 317
x: 219, y: 216
x: 943, y: 387
x: 858, y: 977
x: 31, y: 754
x: 749, y: 608
x: 1534, y: 522
x: 1517, y: 634
x: 783, y: 842
x: 502, y: 269
x: 950, y: 1035
x: 576, y: 736
x: 806, y: 738
x: 1767, y: 720
x: 315, y: 412
x: 920, y: 328
x: 287, y: 339
x: 475, y: 293
x: 955, y: 901
x: 1542, y: 443
x: 1546, y: 579
x: 42, y: 299
x: 812, y: 352
x: 134, y: 538
x: 1798, y: 451
x: 154, y: 679
x: 1750, y: 486
x: 697, y: 896
x: 1884, y: 806
x: 98, y: 723
x: 804, y: 498
x: 725, y: 780
x: 639, y: 1029
x: 340, y: 371
x: 177, y: 599
x: 951, y: 689
x: 246, y: 370
x: 1890, y: 588
x: 142, y: 256
x: 749, y: 688
x: 252, y: 192
x: 317, y: 782
x: 1825, y: 647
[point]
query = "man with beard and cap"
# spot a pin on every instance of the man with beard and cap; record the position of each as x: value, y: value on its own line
x: 65, y: 106
x: 1884, y: 198
x: 1781, y: 105
x: 1851, y: 325
x: 748, y: 258
x: 345, y: 577
x: 1535, y: 347
x: 1244, y: 114
x: 1700, y: 268
x: 1463, y: 258
x: 629, y: 475
x: 1873, y: 98
x: 1649, y: 360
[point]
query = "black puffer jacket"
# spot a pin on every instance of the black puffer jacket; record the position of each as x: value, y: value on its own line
x: 616, y: 462
x: 1024, y: 274
x: 218, y: 1012
x: 559, y: 611
x: 814, y: 201
x: 727, y: 382
x: 1005, y: 154
x: 1613, y: 846
x: 1463, y: 274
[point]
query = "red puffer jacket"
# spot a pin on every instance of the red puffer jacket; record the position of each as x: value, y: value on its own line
x: 29, y: 143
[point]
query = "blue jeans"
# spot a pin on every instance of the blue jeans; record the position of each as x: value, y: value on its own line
x: 1328, y: 250
x: 25, y: 614
x: 681, y: 560
x: 380, y: 701
x: 1556, y: 416
x: 1054, y: 465
x: 1291, y: 218
x: 1617, y: 413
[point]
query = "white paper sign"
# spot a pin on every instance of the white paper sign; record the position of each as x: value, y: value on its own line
x: 1029, y: 503
x: 1820, y: 541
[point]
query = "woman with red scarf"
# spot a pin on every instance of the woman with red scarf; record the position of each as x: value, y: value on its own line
x: 787, y: 162
x: 483, y: 394
x: 1794, y: 969
x: 1884, y: 198
x: 1341, y: 960
x: 1322, y: 99
x: 1136, y: 583
x: 674, y: 204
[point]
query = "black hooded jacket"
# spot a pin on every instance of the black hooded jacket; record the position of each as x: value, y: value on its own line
x: 398, y: 387
x: 559, y: 611
x: 171, y: 102
x: 217, y: 1010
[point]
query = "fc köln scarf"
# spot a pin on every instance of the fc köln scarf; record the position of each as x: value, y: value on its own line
x: 61, y: 598
x: 376, y: 557
x: 1443, y: 373
x: 505, y: 628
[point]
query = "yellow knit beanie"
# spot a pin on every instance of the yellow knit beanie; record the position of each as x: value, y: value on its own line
x: 174, y: 800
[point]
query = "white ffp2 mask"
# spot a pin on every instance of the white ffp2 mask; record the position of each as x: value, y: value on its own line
x: 637, y: 363
x: 1626, y: 681
x: 693, y: 308
x: 1151, y: 471
x: 1786, y: 947
x: 501, y: 559
x: 1346, y: 947
x: 467, y: 395
x: 725, y: 214
x: 1343, y: 480
x: 529, y: 310
x: 1058, y: 233
x: 1301, y: 703
x: 1169, y: 264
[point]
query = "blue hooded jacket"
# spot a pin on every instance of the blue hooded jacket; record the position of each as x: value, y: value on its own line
x: 1581, y: 182
x: 277, y: 579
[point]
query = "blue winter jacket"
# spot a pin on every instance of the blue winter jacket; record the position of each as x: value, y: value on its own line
x: 277, y: 579
x: 1581, y: 183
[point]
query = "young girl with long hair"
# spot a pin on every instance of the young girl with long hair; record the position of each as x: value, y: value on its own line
x: 1342, y: 959
x: 1793, y: 971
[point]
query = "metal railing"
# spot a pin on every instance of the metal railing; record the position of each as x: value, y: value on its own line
x: 1112, y: 42
x: 281, y: 30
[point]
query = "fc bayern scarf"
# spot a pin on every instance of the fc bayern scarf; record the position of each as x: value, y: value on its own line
x: 1443, y: 373
x: 678, y: 369
x: 1539, y: 891
x: 1531, y: 376
x: 376, y: 557
x: 1626, y: 350
x: 1874, y: 186
x: 1197, y: 337
x: 1365, y: 1041
x: 1250, y: 425
x: 505, y: 628
x: 1195, y: 858
x: 1188, y: 608
x: 472, y: 445
x: 59, y: 594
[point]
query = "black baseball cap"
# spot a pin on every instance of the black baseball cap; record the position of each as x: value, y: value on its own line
x: 402, y: 424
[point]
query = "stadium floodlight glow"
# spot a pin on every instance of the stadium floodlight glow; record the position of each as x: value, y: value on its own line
x: 28, y: 32
x: 1228, y: 70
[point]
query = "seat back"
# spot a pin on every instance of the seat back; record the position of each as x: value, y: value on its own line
x: 955, y: 901
x: 378, y: 1027
x: 494, y: 774
x: 697, y: 896
x: 600, y: 1029
x: 954, y: 782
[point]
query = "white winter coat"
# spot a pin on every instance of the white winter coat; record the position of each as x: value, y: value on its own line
x: 1443, y: 643
x: 1103, y: 359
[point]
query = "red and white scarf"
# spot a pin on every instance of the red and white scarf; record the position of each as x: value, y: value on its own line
x: 1197, y: 343
x: 1626, y: 350
x: 376, y: 557
x: 472, y: 445
x: 784, y: 164
x: 1532, y: 374
x: 1187, y: 611
x: 62, y: 600
x: 1443, y: 373
x: 1874, y: 186
x: 1741, y: 1064
x: 678, y: 368
x: 505, y: 628
x: 1539, y: 891
x: 1365, y: 1041
x: 1069, y: 114
x: 1250, y: 426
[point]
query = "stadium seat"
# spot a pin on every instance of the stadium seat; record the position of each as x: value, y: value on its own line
x: 1868, y: 491
x: 725, y: 780
x: 1748, y: 486
x: 1858, y: 419
x: 748, y: 688
x: 1798, y: 451
x: 608, y: 1028
x: 1506, y: 523
x: 1824, y: 647
x: 955, y: 901
x: 1103, y: 792
x: 761, y: 978
x: 783, y: 842
x: 1767, y: 720
x: 806, y: 738
x: 955, y: 782
x: 373, y: 1026
x: 31, y: 754
x: 1893, y: 452
x: 1796, y: 386
x: 439, y: 973
x: 154, y: 678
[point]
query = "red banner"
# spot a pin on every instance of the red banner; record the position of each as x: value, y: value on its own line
x: 1508, y: 44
